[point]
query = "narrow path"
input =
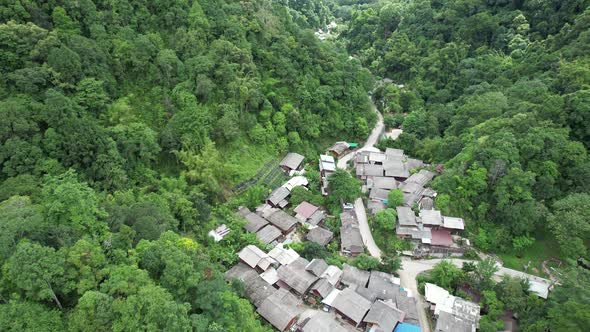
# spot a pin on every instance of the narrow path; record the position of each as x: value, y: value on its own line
x: 371, y: 140
x: 366, y: 234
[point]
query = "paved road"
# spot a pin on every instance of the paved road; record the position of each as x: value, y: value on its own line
x: 371, y: 140
x: 366, y: 234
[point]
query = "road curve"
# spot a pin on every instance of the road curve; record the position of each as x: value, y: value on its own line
x: 366, y: 234
x: 371, y: 140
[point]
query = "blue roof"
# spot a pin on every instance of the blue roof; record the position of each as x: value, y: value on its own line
x: 405, y: 327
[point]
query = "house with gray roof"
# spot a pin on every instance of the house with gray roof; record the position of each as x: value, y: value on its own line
x: 422, y: 177
x: 281, y: 309
x: 278, y: 198
x: 320, y: 236
x: 382, y: 285
x: 365, y: 170
x: 409, y: 306
x: 351, y: 240
x: 296, y: 276
x: 446, y: 322
x: 283, y: 221
x: 241, y: 272
x: 396, y: 168
x: 406, y: 216
x: 383, y: 316
x: 351, y: 306
x: 254, y: 257
x: 381, y: 182
x: 268, y: 234
x: 394, y: 153
x: 323, y: 322
x: 322, y: 288
x: 431, y: 217
x: 339, y: 148
x: 379, y: 194
x: 292, y: 161
x: 354, y: 276
x: 333, y: 274
x: 254, y: 222
x: 348, y: 218
x: 317, y: 267
x: 316, y: 218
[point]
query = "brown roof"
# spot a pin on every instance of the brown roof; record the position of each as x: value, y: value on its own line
x: 305, y: 209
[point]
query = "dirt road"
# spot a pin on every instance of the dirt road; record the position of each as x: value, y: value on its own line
x: 371, y: 140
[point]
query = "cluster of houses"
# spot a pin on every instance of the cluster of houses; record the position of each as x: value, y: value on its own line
x: 283, y: 286
x: 453, y: 313
x: 429, y: 228
x: 383, y: 172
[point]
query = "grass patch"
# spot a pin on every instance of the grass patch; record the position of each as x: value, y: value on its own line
x: 545, y: 247
x: 245, y: 160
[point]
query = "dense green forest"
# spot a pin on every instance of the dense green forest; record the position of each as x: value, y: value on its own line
x: 126, y: 124
x: 498, y: 92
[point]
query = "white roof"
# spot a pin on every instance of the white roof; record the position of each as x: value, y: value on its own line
x: 453, y: 223
x: 331, y: 297
x: 539, y: 288
x: 326, y: 166
x: 378, y: 157
x: 271, y: 276
x: 216, y: 237
x: 435, y: 294
x: 252, y: 255
x: 295, y: 181
x: 332, y: 274
x: 283, y: 256
x: 326, y: 158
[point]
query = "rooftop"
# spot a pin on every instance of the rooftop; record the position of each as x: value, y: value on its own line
x: 446, y: 322
x: 322, y: 322
x: 332, y: 274
x: 406, y: 216
x: 317, y: 267
x: 278, y: 195
x: 320, y: 236
x: 268, y: 234
x: 351, y: 305
x: 369, y: 170
x: 322, y: 287
x: 453, y: 223
x: 283, y: 256
x: 292, y: 160
x: 240, y: 272
x: 431, y: 217
x: 253, y: 256
x: 384, y: 315
x: 280, y: 309
x: 316, y: 218
x: 379, y: 194
x: 305, y: 209
x: 421, y: 178
x: 382, y: 182
x: 441, y: 237
x: 351, y: 239
x: 254, y: 222
x: 295, y: 275
x: 354, y: 276
x: 282, y: 220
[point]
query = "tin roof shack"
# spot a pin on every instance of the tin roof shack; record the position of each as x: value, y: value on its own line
x: 268, y: 234
x: 254, y: 257
x: 317, y: 267
x: 278, y: 198
x: 283, y: 221
x: 296, y: 277
x: 281, y: 309
x: 321, y: 288
x: 396, y: 168
x: 422, y: 177
x: 381, y: 182
x: 406, y: 217
x: 256, y: 288
x: 254, y: 222
x: 383, y: 316
x: 457, y: 314
x: 351, y: 240
x: 383, y: 286
x: 354, y: 276
x: 409, y: 306
x: 327, y: 165
x: 292, y: 162
x: 323, y: 322
x: 431, y: 218
x: 305, y: 211
x: 351, y: 306
x: 454, y: 224
x: 320, y: 236
x: 365, y: 170
x: 339, y: 148
x: 333, y: 274
x: 283, y: 256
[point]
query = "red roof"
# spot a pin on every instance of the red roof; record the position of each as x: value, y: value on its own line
x: 441, y: 237
x: 305, y: 209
